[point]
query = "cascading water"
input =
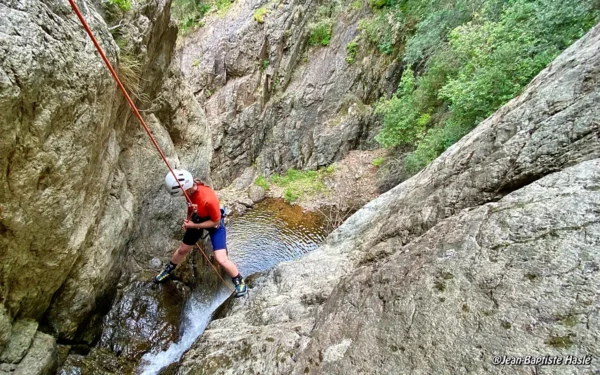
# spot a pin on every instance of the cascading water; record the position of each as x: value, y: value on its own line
x: 271, y: 233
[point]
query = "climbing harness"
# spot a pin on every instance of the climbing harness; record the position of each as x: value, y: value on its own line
x: 137, y: 113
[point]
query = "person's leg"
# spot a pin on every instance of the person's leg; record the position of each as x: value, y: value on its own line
x: 186, y: 245
x: 223, y: 260
x: 182, y: 251
x: 219, y: 243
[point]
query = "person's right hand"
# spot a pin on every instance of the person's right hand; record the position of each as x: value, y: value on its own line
x: 187, y: 224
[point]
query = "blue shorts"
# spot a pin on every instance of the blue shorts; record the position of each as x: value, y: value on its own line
x: 218, y: 236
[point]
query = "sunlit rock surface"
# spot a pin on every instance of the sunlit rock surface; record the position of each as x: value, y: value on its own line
x: 273, y: 101
x: 491, y: 250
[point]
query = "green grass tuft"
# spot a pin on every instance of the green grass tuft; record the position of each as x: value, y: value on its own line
x: 260, y: 13
x: 351, y: 51
x: 123, y: 5
x: 298, y: 183
x: 262, y: 182
x: 377, y: 162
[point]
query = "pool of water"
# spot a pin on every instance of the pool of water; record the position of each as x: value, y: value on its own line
x: 272, y: 232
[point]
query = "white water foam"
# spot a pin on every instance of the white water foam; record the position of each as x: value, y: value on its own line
x: 198, y: 313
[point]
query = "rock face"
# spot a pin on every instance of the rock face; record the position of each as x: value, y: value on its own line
x: 274, y: 101
x: 57, y: 142
x: 145, y: 317
x: 78, y: 174
x: 491, y: 250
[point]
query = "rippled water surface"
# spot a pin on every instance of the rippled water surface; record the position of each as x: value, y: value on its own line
x: 270, y: 233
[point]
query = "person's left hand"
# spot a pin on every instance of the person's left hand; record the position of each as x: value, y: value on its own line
x: 187, y: 224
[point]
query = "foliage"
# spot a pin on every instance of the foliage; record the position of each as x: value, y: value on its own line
x: 351, y: 50
x: 260, y: 13
x: 290, y: 195
x: 356, y: 5
x: 189, y: 14
x: 264, y: 64
x: 471, y: 57
x: 123, y: 5
x: 222, y: 6
x: 400, y: 120
x: 299, y: 183
x: 262, y: 182
x: 501, y: 57
x: 320, y: 32
x: 377, y: 162
x: 382, y: 29
x: 378, y: 3
x: 432, y: 30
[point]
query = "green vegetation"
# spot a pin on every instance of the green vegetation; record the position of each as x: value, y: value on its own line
x: 320, y: 33
x: 321, y: 30
x: 377, y: 162
x: 351, y: 51
x: 464, y: 60
x: 189, y: 14
x: 115, y: 12
x: 356, y: 5
x: 570, y: 320
x: 378, y: 3
x: 562, y: 342
x: 222, y: 6
x: 264, y: 65
x: 260, y: 13
x: 300, y: 183
x: 262, y: 182
x: 123, y: 5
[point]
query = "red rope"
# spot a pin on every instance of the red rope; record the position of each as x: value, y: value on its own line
x: 138, y: 115
x: 127, y: 97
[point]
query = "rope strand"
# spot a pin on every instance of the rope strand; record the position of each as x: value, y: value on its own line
x: 138, y: 115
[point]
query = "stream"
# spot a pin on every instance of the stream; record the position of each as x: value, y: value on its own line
x: 272, y: 232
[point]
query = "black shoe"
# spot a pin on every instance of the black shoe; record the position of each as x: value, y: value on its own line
x: 240, y: 287
x: 164, y: 274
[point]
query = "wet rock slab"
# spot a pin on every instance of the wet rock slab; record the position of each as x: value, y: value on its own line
x: 147, y: 317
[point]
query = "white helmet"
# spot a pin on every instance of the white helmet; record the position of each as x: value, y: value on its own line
x: 185, y: 179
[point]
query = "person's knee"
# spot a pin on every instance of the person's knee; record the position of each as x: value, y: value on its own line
x: 221, y: 256
x: 184, y: 249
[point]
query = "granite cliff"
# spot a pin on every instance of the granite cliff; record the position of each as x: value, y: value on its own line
x: 491, y: 250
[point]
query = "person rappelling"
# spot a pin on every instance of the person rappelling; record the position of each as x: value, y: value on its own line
x: 205, y: 214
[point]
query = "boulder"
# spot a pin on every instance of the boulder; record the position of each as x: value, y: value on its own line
x: 22, y: 335
x: 256, y: 193
x: 41, y: 359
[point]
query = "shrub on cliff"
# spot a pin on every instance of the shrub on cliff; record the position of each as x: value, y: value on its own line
x: 470, y: 59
